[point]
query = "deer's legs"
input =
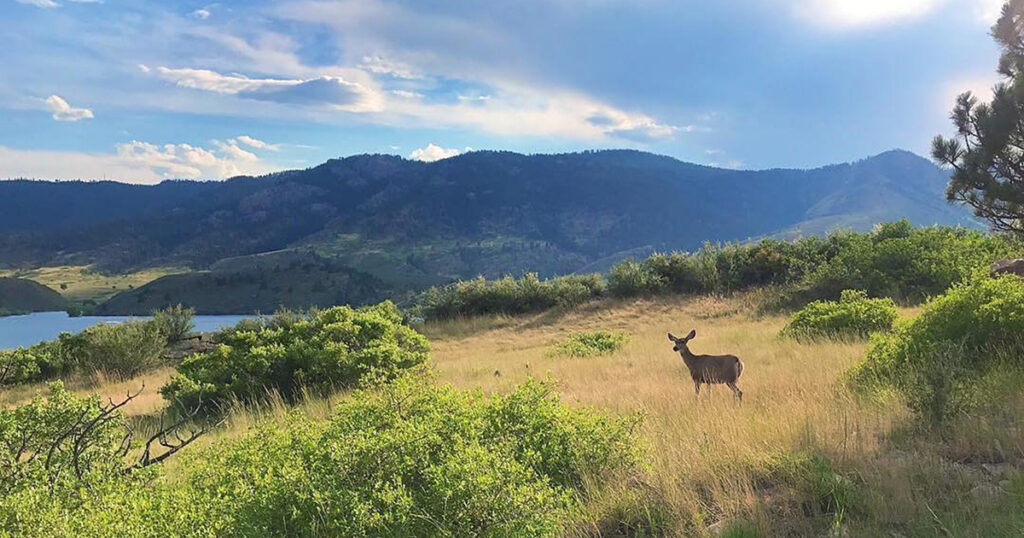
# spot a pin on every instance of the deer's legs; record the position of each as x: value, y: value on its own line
x: 736, y: 391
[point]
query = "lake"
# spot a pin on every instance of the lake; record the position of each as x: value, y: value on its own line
x: 19, y: 331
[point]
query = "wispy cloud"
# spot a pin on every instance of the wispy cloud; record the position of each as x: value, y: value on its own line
x: 383, y: 66
x: 62, y: 111
x: 46, y: 4
x: 50, y: 4
x: 257, y: 143
x: 325, y: 90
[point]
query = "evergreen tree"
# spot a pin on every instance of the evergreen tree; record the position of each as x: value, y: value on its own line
x: 987, y: 154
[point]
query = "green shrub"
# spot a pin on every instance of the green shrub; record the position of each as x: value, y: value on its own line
x: 904, y: 263
x: 935, y: 358
x: 630, y: 278
x: 330, y: 348
x: 675, y: 271
x: 896, y: 260
x: 508, y: 295
x: 175, y: 322
x: 415, y: 459
x: 31, y: 451
x: 407, y: 458
x: 854, y: 315
x: 121, y: 350
x: 590, y: 344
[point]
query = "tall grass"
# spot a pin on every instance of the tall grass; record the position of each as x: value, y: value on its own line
x: 802, y: 456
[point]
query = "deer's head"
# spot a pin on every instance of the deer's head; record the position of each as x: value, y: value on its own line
x: 678, y: 344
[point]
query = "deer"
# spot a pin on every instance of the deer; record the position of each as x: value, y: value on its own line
x: 709, y: 369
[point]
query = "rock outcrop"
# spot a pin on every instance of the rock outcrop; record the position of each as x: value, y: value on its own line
x: 1008, y: 267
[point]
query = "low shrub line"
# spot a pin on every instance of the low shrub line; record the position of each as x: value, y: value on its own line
x: 895, y: 260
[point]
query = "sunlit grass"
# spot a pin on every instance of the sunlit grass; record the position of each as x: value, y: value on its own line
x: 83, y: 283
x: 714, y: 465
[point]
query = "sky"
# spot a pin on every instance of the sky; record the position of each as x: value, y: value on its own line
x: 141, y: 91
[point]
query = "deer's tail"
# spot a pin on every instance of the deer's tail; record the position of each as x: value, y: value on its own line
x: 739, y: 368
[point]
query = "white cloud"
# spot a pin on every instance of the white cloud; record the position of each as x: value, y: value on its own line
x: 865, y: 13
x: 50, y: 4
x: 441, y: 55
x: 62, y: 111
x: 257, y: 143
x: 46, y: 4
x: 324, y: 90
x: 138, y: 162
x: 42, y: 164
x: 433, y: 152
x: 201, y: 14
x: 514, y: 109
x: 407, y: 94
x: 853, y: 13
x: 384, y: 66
x: 528, y: 110
x: 225, y: 160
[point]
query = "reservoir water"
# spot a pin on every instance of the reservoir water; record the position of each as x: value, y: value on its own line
x: 19, y: 331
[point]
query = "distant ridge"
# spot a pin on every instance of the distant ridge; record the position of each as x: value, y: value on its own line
x: 410, y: 224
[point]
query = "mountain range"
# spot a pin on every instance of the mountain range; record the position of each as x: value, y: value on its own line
x: 395, y: 224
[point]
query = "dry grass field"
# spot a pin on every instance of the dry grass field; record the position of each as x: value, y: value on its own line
x: 801, y: 456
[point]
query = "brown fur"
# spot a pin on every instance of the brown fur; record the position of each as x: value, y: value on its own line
x: 709, y: 369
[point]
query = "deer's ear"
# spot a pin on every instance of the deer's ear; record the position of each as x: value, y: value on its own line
x: 671, y: 338
x: 693, y: 333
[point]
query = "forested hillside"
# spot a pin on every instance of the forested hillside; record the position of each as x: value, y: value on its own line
x: 411, y: 224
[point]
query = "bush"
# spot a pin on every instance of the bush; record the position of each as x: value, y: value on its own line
x: 590, y: 344
x: 67, y: 468
x: 28, y: 432
x: 935, y: 358
x: 630, y: 278
x: 896, y: 260
x: 508, y: 295
x: 328, y: 349
x: 854, y: 316
x: 904, y: 263
x: 121, y: 351
x: 175, y: 322
x: 408, y: 458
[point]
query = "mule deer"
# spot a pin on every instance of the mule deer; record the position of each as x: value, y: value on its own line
x: 709, y: 369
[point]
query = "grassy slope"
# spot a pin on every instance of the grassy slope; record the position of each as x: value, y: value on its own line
x: 81, y: 283
x: 719, y: 466
x: 21, y: 295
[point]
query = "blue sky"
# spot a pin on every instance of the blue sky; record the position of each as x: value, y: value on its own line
x: 140, y: 91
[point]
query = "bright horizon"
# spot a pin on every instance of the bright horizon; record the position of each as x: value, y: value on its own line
x: 137, y: 92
